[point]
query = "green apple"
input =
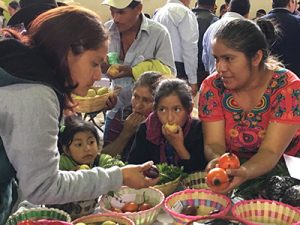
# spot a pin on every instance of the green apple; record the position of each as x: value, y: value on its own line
x: 91, y: 93
x: 102, y: 91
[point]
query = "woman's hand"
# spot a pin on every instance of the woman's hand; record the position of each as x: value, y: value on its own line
x: 211, y: 164
x: 134, y: 177
x: 131, y: 123
x: 111, y: 101
x: 238, y: 176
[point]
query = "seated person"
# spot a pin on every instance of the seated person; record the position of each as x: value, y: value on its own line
x: 250, y: 106
x: 79, y: 142
x: 155, y: 141
x: 118, y: 138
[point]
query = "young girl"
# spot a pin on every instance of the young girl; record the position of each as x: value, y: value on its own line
x: 79, y: 144
x: 182, y: 146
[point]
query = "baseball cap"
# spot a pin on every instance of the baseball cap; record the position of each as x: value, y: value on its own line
x: 119, y: 4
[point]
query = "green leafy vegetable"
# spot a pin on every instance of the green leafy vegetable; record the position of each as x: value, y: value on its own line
x: 169, y: 173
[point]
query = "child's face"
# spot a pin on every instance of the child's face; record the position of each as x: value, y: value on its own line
x: 170, y: 110
x: 83, y: 148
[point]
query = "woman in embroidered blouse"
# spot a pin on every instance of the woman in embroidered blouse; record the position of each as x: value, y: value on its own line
x: 250, y: 106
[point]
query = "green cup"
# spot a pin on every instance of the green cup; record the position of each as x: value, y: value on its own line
x: 113, y: 58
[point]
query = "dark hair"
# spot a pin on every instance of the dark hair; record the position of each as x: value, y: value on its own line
x: 150, y: 80
x: 206, y: 2
x: 227, y: 2
x: 176, y: 87
x: 72, y: 126
x: 133, y: 4
x: 241, y: 7
x: 14, y: 4
x: 245, y: 36
x: 260, y: 12
x: 55, y: 32
x: 280, y: 3
x: 223, y: 6
x: 270, y: 29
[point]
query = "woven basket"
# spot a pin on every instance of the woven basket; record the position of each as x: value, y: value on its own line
x: 206, y: 200
x: 154, y: 196
x: 258, y: 211
x: 97, y: 218
x: 195, y: 181
x: 94, y: 104
x: 38, y: 214
x: 169, y: 187
x: 205, y: 220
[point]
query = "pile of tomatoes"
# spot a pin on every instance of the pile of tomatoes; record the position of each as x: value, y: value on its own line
x: 132, y: 207
x: 217, y: 178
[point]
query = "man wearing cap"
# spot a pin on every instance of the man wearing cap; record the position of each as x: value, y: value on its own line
x: 135, y: 39
x: 183, y: 27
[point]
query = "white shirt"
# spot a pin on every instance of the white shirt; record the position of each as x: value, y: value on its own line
x: 207, y: 57
x: 183, y: 28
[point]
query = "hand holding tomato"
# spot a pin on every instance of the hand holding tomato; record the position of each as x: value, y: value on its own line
x: 220, y: 178
x: 229, y: 161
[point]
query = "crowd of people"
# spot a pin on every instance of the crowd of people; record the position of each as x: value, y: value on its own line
x: 249, y: 99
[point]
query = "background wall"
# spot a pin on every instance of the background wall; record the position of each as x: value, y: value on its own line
x: 151, y: 5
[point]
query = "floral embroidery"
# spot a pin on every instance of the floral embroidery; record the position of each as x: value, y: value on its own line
x: 245, y: 131
x: 208, y: 102
x: 280, y: 106
x: 296, y: 102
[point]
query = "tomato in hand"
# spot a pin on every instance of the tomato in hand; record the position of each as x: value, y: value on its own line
x: 229, y: 161
x: 217, y: 179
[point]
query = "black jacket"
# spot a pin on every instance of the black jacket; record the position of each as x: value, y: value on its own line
x: 287, y: 46
x: 143, y: 150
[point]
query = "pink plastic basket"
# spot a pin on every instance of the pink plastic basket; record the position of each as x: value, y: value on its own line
x: 206, y: 200
x: 258, y: 211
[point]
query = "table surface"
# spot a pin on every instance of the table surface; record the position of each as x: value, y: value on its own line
x: 163, y: 219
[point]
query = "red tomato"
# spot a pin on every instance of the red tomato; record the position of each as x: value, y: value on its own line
x: 217, y: 179
x: 229, y: 161
x: 130, y: 207
x: 144, y: 206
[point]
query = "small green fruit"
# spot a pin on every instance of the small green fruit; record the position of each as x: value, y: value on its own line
x: 102, y: 91
x: 91, y: 93
x: 108, y: 222
x: 84, y: 167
